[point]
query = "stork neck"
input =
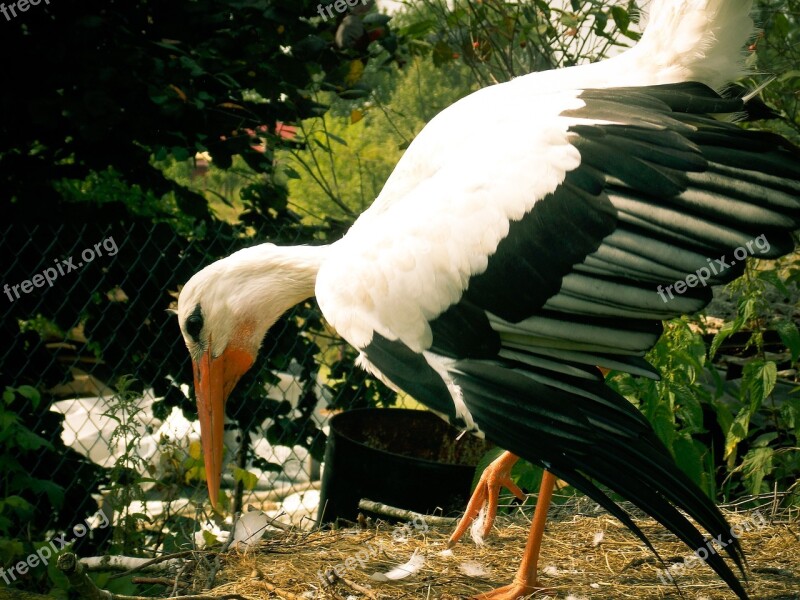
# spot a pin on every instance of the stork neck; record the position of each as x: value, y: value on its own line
x: 300, y: 265
x: 267, y: 280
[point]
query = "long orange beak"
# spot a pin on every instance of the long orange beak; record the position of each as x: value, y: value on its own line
x: 214, y: 380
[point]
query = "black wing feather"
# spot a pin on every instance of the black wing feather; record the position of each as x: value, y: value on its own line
x: 662, y: 189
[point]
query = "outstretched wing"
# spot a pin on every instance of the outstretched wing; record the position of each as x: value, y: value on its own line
x: 492, y: 287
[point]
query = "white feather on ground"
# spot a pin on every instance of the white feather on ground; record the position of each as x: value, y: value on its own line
x: 472, y: 568
x: 414, y: 564
x: 476, y: 529
x: 249, y: 529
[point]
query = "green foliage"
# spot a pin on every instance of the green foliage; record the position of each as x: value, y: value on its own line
x: 731, y: 437
x: 159, y: 81
x: 124, y: 482
x: 762, y: 441
x: 528, y: 478
x: 675, y: 404
x: 776, y: 52
x: 351, y: 387
x: 499, y: 40
x: 16, y: 483
x: 347, y: 155
x: 125, y: 95
x: 351, y: 151
x: 15, y: 438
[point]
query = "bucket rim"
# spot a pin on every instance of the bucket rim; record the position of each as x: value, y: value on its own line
x: 386, y: 452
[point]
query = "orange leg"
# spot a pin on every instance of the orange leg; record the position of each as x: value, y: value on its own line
x: 487, y: 492
x: 525, y: 582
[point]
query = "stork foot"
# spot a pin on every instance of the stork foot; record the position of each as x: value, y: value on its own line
x: 526, y: 584
x: 514, y: 591
x: 495, y: 477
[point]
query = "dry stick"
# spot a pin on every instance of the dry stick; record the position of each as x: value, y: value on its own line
x: 79, y: 581
x: 116, y: 562
x: 270, y: 587
x: 216, y: 565
x: 165, y: 581
x: 178, y: 580
x: 401, y: 513
x: 359, y: 588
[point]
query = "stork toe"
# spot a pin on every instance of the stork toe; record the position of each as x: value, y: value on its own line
x: 495, y: 477
x: 514, y: 591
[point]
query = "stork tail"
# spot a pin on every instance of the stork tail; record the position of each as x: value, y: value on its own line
x: 697, y: 40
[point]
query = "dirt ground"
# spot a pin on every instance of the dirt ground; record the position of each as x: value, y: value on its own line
x: 586, y: 554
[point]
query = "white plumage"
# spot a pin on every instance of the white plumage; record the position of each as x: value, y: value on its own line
x: 485, y: 160
x: 519, y: 244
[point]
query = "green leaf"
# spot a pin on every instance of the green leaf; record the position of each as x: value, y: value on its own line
x: 354, y: 94
x: 737, y: 431
x: 756, y: 465
x: 180, y: 154
x: 379, y: 20
x: 336, y: 138
x: 20, y: 505
x: 621, y: 18
x: 764, y: 439
x: 790, y: 414
x: 759, y: 378
x: 793, y: 74
x: 569, y: 20
x: 55, y: 493
x: 209, y: 538
x: 633, y: 35
x: 781, y: 25
x: 543, y: 6
x: 291, y: 173
x: 689, y: 457
x: 248, y: 479
x: 418, y: 29
x: 31, y: 393
x: 527, y: 476
x: 727, y: 330
x: 773, y: 278
x: 790, y: 336
x: 489, y: 457
x: 600, y: 22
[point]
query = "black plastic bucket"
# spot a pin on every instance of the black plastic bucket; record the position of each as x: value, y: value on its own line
x: 410, y: 459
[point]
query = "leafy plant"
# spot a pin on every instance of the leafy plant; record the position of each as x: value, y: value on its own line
x: 18, y: 486
x: 499, y: 40
x: 762, y: 440
x: 676, y: 405
x: 734, y: 436
x: 125, y: 477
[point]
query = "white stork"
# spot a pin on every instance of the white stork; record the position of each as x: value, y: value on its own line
x: 501, y: 265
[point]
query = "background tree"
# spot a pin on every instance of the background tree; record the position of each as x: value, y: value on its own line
x: 98, y: 98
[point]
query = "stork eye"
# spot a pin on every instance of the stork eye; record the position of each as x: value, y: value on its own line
x: 194, y: 324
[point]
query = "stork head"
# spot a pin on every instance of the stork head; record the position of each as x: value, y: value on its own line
x: 224, y: 312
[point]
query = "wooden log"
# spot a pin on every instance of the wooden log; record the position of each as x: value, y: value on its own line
x: 380, y: 508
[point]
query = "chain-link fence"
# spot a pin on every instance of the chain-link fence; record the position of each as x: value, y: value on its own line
x: 85, y: 324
